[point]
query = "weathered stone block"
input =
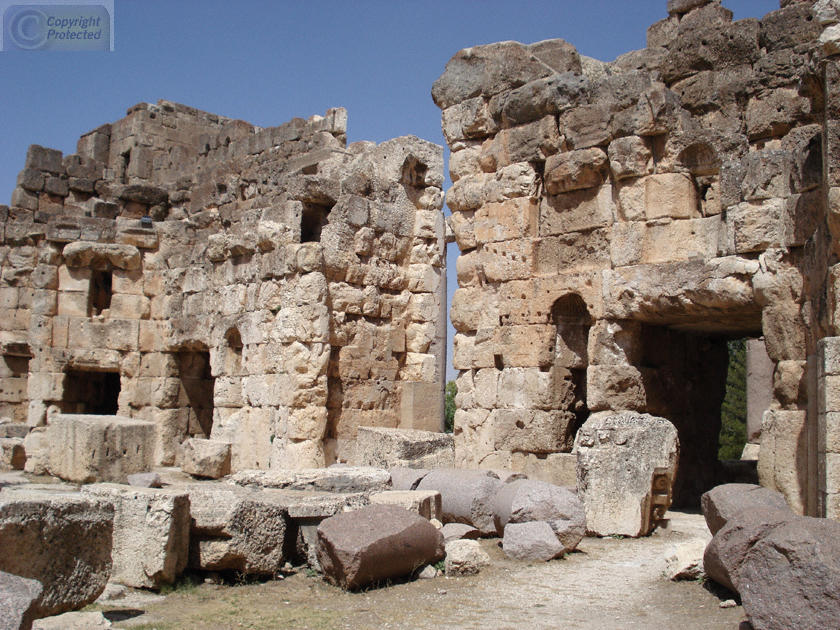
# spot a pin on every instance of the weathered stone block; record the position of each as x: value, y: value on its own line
x: 376, y: 543
x: 151, y: 533
x: 426, y: 503
x: 89, y: 448
x: 62, y: 540
x: 466, y: 496
x: 18, y: 597
x: 625, y: 470
x: 408, y: 448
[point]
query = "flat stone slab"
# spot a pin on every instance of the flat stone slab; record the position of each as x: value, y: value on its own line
x: 333, y: 479
x: 407, y: 448
x: 90, y: 448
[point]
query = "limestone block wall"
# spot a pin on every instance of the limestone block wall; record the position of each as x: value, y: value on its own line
x: 619, y: 222
x: 273, y: 288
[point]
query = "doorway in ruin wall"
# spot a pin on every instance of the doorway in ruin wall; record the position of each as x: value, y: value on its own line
x: 572, y: 322
x: 197, y: 387
x: 91, y: 392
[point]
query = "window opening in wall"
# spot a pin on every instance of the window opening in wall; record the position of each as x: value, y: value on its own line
x: 198, y: 384
x: 571, y: 320
x: 99, y: 295
x: 312, y: 220
x: 91, y: 392
x: 125, y: 161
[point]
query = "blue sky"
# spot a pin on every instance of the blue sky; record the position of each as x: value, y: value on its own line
x: 269, y: 61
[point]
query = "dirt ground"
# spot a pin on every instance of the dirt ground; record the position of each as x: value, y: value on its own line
x: 607, y: 584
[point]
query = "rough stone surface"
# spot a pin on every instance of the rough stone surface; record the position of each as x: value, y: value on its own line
x: 333, y: 479
x: 206, y: 458
x: 407, y: 478
x: 466, y: 496
x: 374, y: 544
x: 151, y: 533
x: 686, y: 560
x: 724, y: 556
x: 409, y: 448
x: 789, y: 578
x: 531, y: 541
x: 464, y: 557
x: 18, y: 596
x: 526, y: 500
x: 426, y: 503
x: 724, y: 502
x: 626, y: 467
x: 63, y: 541
x: 74, y: 621
x: 12, y: 454
x: 144, y: 480
x: 459, y: 531
x: 91, y: 448
x: 235, y: 528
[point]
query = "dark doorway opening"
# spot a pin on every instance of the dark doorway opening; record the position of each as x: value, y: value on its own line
x: 91, y: 392
x: 312, y: 222
x: 572, y: 321
x: 198, y: 384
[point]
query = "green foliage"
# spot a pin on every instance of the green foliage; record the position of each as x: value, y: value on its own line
x: 449, y: 407
x: 733, y: 411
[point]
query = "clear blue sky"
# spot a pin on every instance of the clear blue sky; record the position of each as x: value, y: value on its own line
x: 269, y: 61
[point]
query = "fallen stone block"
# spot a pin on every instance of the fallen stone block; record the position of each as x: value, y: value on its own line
x: 14, y: 430
x: 12, y: 454
x: 529, y: 500
x: 723, y: 502
x: 459, y: 531
x: 725, y: 553
x: 90, y: 448
x: 63, y: 540
x: 626, y: 464
x: 18, y: 597
x: 151, y: 533
x: 376, y: 543
x: 464, y: 557
x: 426, y: 503
x: 532, y: 541
x: 145, y: 480
x: 407, y: 478
x: 686, y: 560
x: 789, y: 578
x: 409, y: 448
x: 37, y: 451
x: 237, y: 529
x: 206, y: 458
x: 74, y: 621
x: 466, y: 496
x: 337, y: 479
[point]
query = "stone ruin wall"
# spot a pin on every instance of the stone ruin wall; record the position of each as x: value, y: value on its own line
x: 619, y: 222
x: 272, y: 288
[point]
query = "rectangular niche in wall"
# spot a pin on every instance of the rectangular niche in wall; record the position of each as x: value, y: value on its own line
x: 198, y: 385
x: 91, y: 392
x: 100, y: 292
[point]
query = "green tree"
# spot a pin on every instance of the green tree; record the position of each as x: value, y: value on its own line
x: 449, y: 407
x: 733, y: 411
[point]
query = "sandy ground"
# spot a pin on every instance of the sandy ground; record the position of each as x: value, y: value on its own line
x: 607, y: 584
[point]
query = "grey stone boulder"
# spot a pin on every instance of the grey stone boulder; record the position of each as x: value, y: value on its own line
x: 376, y: 543
x: 725, y: 553
x: 18, y: 597
x: 530, y: 500
x: 12, y: 454
x: 464, y: 557
x: 531, y: 541
x: 145, y: 480
x: 151, y: 533
x: 389, y: 448
x: 790, y: 578
x: 466, y: 496
x: 74, y: 621
x: 63, y: 540
x: 626, y: 465
x: 407, y: 478
x: 723, y: 502
x: 459, y: 531
x: 237, y: 529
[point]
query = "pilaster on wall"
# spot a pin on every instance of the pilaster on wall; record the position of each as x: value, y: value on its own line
x: 828, y: 423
